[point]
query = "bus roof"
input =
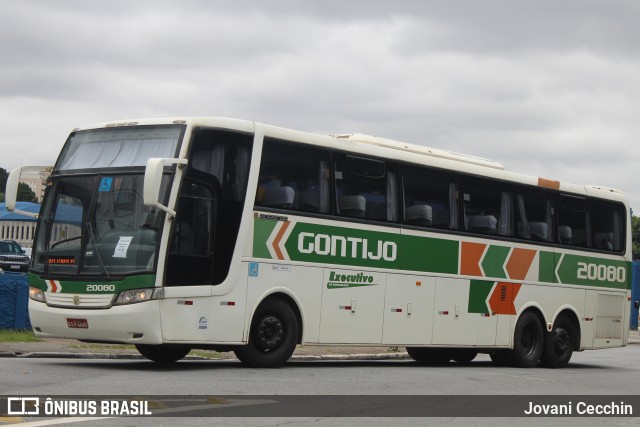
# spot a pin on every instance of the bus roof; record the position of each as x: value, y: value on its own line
x: 381, y: 147
x: 420, y: 149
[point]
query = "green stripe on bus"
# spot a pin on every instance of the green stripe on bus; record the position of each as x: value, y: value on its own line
x: 80, y: 286
x: 364, y: 248
x: 325, y: 244
x: 494, y: 260
x: 478, y: 293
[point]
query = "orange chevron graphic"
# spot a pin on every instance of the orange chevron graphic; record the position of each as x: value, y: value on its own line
x: 276, y: 241
x: 519, y: 263
x: 53, y: 286
x: 502, y: 298
x: 471, y: 253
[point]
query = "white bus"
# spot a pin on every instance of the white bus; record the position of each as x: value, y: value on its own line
x: 174, y: 234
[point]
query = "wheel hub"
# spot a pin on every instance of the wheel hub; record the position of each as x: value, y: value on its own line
x: 270, y: 334
x: 561, y: 340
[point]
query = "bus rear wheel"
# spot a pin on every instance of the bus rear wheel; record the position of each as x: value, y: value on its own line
x: 559, y: 343
x: 163, y: 353
x: 272, y: 337
x: 437, y: 356
x: 528, y: 341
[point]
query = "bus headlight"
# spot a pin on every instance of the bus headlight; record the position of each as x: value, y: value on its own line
x: 36, y: 294
x: 134, y: 296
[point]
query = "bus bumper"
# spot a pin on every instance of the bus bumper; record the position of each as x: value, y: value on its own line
x: 132, y: 324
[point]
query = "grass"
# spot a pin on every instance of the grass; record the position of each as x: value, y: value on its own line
x: 107, y: 346
x: 9, y: 335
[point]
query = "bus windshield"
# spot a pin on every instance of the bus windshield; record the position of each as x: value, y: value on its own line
x: 97, y: 226
x: 118, y: 147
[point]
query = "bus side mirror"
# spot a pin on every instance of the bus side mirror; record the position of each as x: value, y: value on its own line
x: 637, y: 304
x: 153, y: 179
x: 11, y: 192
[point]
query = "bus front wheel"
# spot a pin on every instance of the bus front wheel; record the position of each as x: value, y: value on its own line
x: 272, y: 337
x: 163, y: 353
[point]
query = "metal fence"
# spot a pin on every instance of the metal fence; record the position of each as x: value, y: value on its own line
x: 14, y: 299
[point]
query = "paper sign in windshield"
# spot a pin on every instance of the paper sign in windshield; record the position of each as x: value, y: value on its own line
x: 122, y: 247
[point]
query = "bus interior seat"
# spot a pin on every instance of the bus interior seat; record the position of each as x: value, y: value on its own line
x: 309, y: 200
x: 419, y: 215
x: 279, y: 197
x: 604, y: 241
x: 354, y: 206
x: 565, y: 234
x: 485, y: 224
x: 538, y: 230
x: 376, y: 211
x: 579, y: 237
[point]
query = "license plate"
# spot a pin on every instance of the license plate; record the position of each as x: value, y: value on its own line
x: 77, y: 323
x: 15, y: 267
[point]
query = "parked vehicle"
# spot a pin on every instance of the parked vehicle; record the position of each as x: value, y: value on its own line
x: 13, y: 257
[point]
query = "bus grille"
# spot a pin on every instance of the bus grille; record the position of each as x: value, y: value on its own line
x: 609, y: 316
x: 79, y: 300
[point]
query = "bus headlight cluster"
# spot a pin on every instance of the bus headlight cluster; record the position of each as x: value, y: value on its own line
x: 134, y: 296
x: 36, y: 294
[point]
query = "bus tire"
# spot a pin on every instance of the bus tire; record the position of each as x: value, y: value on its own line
x: 438, y: 356
x: 559, y: 343
x: 163, y: 353
x: 464, y: 356
x: 528, y: 341
x: 272, y: 336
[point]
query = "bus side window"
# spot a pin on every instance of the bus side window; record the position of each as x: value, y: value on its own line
x: 365, y: 188
x: 487, y: 207
x: 573, y: 221
x: 608, y: 220
x: 430, y: 198
x: 534, y: 218
x: 293, y: 177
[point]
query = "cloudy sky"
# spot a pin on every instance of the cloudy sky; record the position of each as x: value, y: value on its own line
x: 547, y: 88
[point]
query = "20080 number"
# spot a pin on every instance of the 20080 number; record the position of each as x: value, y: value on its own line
x: 605, y: 273
x: 101, y: 288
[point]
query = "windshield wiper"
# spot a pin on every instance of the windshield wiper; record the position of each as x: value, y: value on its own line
x: 92, y: 237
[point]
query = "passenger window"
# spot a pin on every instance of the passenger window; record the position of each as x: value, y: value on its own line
x: 487, y: 207
x: 294, y: 177
x: 534, y: 219
x: 365, y: 188
x: 430, y: 198
x: 573, y: 221
x: 609, y: 220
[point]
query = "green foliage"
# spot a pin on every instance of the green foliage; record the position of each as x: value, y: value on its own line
x: 3, y: 181
x: 635, y: 230
x: 25, y: 193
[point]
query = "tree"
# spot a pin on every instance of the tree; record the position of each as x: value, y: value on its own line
x: 635, y: 235
x: 3, y: 181
x: 25, y: 193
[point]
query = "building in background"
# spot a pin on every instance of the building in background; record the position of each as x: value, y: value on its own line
x: 20, y: 228
x: 37, y: 182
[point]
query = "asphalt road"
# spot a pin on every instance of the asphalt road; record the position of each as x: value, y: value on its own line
x: 603, y: 372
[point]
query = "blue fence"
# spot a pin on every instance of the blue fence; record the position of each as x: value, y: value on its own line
x: 635, y: 294
x: 14, y: 299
